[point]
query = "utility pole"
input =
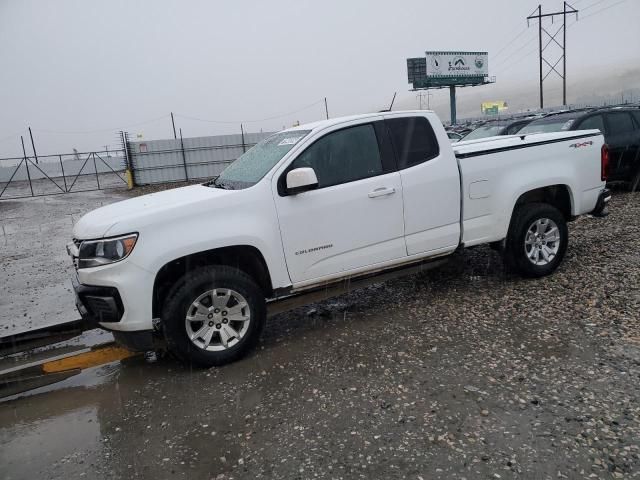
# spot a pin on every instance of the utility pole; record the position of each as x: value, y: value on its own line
x: 567, y: 9
x: 421, y: 95
x: 540, y: 52
x: 326, y: 109
x: 564, y: 53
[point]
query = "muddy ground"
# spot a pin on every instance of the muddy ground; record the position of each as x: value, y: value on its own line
x: 34, y: 266
x: 461, y: 372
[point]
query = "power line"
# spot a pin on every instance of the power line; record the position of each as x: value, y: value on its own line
x: 81, y: 132
x: 505, y: 68
x: 504, y: 60
x: 591, y: 5
x: 596, y: 12
x: 251, y: 121
x: 510, y: 43
x: 603, y: 9
x: 11, y: 137
x: 511, y: 65
x: 502, y: 64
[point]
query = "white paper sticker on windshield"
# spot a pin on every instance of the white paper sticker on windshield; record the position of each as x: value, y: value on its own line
x: 290, y: 141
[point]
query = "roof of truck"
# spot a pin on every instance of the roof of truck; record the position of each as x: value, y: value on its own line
x: 338, y: 120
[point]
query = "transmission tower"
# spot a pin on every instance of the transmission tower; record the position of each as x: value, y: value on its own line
x: 426, y: 95
x: 567, y: 10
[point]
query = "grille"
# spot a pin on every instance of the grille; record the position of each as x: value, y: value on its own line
x: 104, y: 309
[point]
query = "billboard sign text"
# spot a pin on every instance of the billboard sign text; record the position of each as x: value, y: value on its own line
x: 457, y: 64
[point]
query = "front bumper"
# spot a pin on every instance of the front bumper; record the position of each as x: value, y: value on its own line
x: 98, y: 304
x: 115, y: 296
x: 601, y: 205
x: 101, y: 307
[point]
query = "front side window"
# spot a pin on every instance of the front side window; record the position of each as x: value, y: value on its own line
x: 343, y: 156
x: 254, y: 164
x: 413, y: 140
x: 594, y: 122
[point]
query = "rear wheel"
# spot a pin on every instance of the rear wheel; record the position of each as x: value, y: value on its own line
x: 537, y: 240
x: 214, y: 317
x: 634, y: 184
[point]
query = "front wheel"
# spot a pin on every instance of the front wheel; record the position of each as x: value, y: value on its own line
x: 537, y: 240
x: 214, y: 317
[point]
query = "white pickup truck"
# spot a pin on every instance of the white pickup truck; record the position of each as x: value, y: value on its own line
x: 316, y: 205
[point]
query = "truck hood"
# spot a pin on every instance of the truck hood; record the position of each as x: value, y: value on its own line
x: 111, y: 219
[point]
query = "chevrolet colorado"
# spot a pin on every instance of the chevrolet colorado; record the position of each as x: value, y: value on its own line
x: 318, y: 204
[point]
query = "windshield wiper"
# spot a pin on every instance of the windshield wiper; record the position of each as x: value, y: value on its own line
x: 218, y: 184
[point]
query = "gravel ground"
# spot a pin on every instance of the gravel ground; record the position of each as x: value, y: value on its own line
x: 464, y: 372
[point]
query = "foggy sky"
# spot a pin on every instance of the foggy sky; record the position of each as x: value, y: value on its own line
x: 78, y: 71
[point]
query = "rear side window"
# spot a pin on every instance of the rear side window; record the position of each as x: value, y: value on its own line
x: 620, y: 122
x: 343, y: 156
x: 413, y: 140
x: 593, y: 122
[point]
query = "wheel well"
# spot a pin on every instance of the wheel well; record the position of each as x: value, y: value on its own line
x: 556, y: 195
x: 244, y: 257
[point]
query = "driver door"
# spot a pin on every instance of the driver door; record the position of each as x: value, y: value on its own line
x: 354, y: 217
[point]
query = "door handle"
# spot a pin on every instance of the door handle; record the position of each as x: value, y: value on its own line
x: 379, y: 192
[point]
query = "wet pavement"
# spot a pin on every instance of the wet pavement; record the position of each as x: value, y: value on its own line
x: 462, y: 372
x: 34, y: 266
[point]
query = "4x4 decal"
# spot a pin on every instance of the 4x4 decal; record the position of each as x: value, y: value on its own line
x: 581, y: 144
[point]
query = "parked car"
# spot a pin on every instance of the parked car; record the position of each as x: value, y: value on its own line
x: 621, y: 129
x: 496, y: 128
x: 316, y: 206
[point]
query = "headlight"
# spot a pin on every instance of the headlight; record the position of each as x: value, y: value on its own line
x: 93, y: 253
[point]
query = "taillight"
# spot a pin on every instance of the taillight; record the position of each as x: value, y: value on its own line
x: 604, y: 163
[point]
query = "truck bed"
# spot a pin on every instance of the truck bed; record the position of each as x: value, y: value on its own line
x: 495, y: 171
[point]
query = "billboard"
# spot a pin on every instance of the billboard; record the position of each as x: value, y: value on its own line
x: 493, y: 108
x: 457, y: 64
x: 416, y: 69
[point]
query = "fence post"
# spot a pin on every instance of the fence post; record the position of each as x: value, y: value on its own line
x: 26, y: 163
x: 95, y: 168
x: 184, y: 158
x: 64, y: 179
x: 127, y: 160
x: 33, y: 146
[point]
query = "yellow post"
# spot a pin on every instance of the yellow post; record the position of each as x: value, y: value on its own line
x: 129, y: 176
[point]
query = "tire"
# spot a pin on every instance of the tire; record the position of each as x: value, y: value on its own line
x: 208, y: 304
x: 528, y: 221
x: 634, y: 184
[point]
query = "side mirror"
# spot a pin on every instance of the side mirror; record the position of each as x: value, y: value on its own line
x: 300, y: 180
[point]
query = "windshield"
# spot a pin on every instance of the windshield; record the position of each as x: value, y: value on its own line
x: 251, y: 166
x: 484, y: 132
x: 558, y: 123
